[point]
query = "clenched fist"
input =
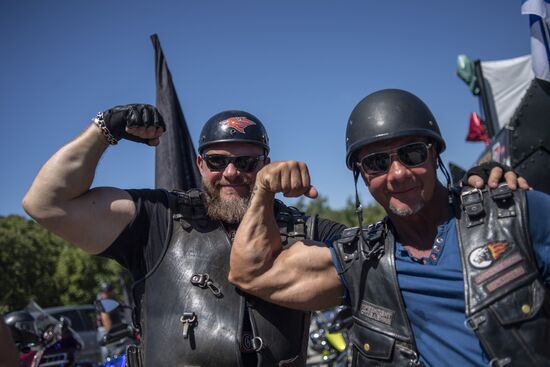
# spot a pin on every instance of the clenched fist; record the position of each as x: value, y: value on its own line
x: 288, y: 177
x: 137, y: 122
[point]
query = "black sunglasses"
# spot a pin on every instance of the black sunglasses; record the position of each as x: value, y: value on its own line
x: 244, y: 163
x: 411, y: 155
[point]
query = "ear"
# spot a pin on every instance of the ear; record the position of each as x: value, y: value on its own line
x: 200, y: 163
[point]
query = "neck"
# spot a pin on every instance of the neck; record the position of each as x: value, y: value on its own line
x: 418, y: 231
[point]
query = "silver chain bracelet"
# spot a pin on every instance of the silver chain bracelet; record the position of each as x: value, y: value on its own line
x: 100, y: 122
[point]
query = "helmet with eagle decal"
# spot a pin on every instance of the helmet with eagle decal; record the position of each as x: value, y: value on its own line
x: 233, y: 126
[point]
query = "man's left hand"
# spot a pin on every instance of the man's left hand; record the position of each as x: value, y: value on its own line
x: 493, y: 173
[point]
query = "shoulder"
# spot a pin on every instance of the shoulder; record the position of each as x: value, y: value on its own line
x: 537, y: 198
x: 329, y: 230
x: 152, y: 196
x: 151, y: 208
x: 538, y: 204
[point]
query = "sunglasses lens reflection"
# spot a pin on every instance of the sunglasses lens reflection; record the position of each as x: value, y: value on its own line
x: 410, y: 155
x: 218, y: 162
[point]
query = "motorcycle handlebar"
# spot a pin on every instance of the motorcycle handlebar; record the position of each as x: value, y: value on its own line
x: 116, y: 335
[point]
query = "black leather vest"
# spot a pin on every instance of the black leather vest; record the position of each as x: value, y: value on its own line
x: 381, y: 334
x: 506, y: 302
x: 192, y: 316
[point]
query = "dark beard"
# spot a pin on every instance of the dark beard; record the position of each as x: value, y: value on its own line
x: 227, y: 211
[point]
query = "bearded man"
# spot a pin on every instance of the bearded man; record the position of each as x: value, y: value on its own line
x: 176, y: 244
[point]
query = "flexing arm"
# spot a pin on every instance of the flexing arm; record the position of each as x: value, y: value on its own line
x: 60, y: 197
x: 301, y: 276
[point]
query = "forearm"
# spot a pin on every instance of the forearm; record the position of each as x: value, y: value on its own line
x: 106, y: 321
x: 257, y: 242
x: 67, y: 175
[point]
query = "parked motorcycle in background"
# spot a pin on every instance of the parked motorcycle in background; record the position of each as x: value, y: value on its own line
x: 119, y: 338
x: 329, y: 337
x: 43, y: 340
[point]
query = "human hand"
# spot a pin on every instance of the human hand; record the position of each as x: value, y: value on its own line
x: 288, y: 177
x: 492, y: 173
x: 137, y: 122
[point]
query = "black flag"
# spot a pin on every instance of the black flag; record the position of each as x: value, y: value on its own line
x: 175, y: 156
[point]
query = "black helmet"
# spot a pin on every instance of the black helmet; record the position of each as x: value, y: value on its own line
x: 233, y: 126
x: 105, y: 287
x: 22, y: 327
x: 388, y: 114
x: 17, y: 317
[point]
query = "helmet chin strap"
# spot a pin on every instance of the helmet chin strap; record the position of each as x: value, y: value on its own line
x: 443, y: 169
x: 358, y: 206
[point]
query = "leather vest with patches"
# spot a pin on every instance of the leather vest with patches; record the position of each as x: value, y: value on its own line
x: 506, y: 302
x: 192, y: 316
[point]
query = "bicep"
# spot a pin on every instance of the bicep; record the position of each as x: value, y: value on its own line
x: 302, y: 277
x: 94, y: 220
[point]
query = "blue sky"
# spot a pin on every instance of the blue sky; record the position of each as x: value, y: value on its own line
x: 300, y: 66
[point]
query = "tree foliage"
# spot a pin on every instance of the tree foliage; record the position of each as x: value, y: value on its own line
x: 347, y: 216
x: 41, y: 266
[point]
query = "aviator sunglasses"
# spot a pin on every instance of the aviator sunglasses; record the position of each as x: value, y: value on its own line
x: 411, y: 155
x: 244, y: 163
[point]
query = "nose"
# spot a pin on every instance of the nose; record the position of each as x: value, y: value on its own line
x: 231, y: 170
x: 397, y: 170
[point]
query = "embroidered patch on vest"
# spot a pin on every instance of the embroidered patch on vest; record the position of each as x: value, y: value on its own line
x: 482, y: 257
x: 377, y: 313
x: 505, y: 279
x: 498, y: 267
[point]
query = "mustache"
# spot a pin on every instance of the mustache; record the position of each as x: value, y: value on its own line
x: 223, y: 182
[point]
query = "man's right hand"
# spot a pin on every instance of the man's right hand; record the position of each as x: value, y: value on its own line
x: 288, y: 177
x: 137, y: 122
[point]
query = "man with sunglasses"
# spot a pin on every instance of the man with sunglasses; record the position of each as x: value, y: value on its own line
x: 447, y: 278
x: 176, y: 244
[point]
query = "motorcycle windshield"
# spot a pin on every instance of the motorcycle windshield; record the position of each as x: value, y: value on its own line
x: 41, y: 318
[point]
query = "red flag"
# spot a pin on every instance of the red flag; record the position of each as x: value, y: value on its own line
x: 477, y: 130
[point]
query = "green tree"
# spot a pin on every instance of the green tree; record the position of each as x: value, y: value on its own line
x: 78, y: 274
x: 347, y: 215
x: 28, y: 256
x: 39, y: 265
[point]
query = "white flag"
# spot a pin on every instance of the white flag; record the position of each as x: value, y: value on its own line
x: 539, y: 19
x: 508, y: 80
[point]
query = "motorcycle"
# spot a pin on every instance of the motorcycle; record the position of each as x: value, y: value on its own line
x: 329, y: 337
x: 43, y: 340
x: 119, y: 338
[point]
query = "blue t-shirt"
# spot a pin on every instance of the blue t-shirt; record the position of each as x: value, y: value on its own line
x: 433, y: 290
